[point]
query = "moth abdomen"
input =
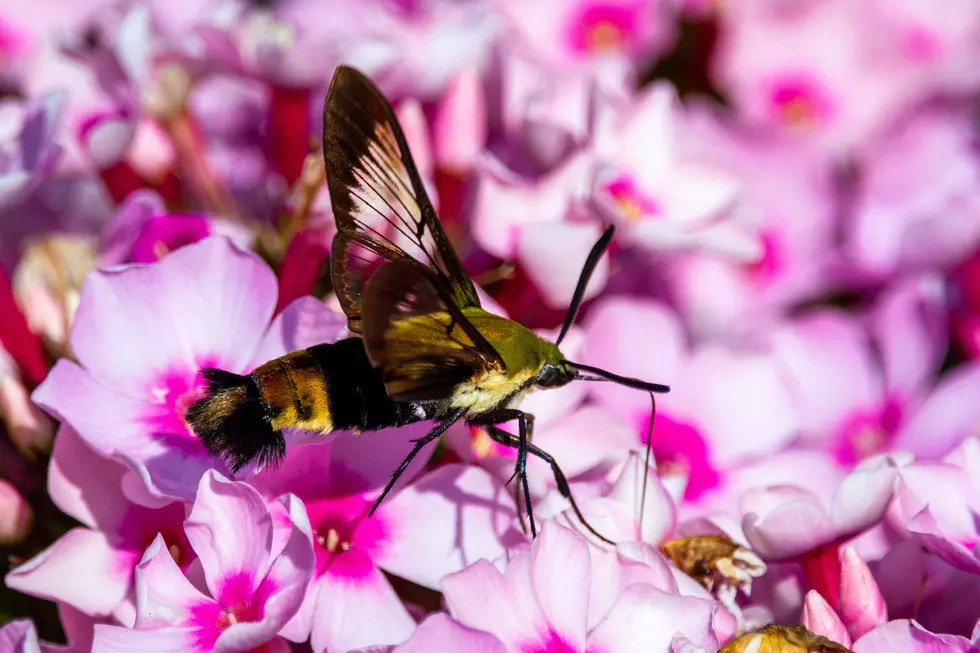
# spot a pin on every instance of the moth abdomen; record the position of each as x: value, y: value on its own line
x: 323, y: 388
x: 295, y: 390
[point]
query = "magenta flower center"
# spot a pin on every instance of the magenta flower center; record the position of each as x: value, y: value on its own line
x: 921, y: 44
x: 603, y: 28
x: 771, y: 263
x: 346, y: 540
x: 680, y: 449
x: 237, y: 602
x: 632, y: 203
x: 550, y: 643
x: 800, y: 101
x: 172, y: 393
x: 865, y: 433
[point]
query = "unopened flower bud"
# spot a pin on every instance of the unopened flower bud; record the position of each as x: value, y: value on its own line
x: 30, y: 430
x: 16, y: 516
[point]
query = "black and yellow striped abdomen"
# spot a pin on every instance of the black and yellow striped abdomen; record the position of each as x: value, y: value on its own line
x: 324, y: 388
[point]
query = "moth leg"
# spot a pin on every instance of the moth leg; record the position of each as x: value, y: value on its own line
x: 525, y: 424
x: 419, y: 445
x: 497, y: 434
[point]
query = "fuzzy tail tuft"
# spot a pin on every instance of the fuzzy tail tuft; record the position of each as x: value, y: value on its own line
x: 232, y: 424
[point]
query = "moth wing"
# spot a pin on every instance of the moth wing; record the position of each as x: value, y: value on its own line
x: 418, y: 336
x: 379, y: 201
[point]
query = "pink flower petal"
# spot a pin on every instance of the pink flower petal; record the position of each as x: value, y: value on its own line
x: 659, y: 517
x: 459, y: 129
x: 646, y: 619
x: 231, y: 530
x: 291, y: 573
x: 826, y: 362
x: 948, y: 415
x: 113, y: 639
x: 785, y: 522
x: 636, y: 338
x: 365, y: 462
x: 909, y: 325
x: 474, y: 597
x: 613, y: 571
x: 908, y: 636
x: 206, y: 299
x: 862, y: 497
x: 749, y: 418
x: 446, y: 521
x: 573, y: 443
x: 548, y: 252
x: 927, y: 531
x: 819, y: 618
x: 560, y: 571
x: 440, y: 633
x: 164, y: 595
x: 304, y: 323
x: 356, y: 614
x: 70, y: 392
x: 84, y: 484
x: 19, y: 637
x: 81, y: 569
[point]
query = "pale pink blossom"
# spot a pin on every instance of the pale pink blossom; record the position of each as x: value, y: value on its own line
x: 917, y: 203
x: 90, y: 568
x: 253, y: 584
x: 863, y: 387
x: 438, y: 524
x: 577, y: 31
x: 552, y: 597
x: 773, y: 61
x: 206, y: 304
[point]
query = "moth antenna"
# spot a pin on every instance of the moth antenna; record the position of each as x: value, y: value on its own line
x: 646, y: 462
x: 583, y: 280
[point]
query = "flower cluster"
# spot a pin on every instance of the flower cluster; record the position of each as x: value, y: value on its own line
x: 795, y: 186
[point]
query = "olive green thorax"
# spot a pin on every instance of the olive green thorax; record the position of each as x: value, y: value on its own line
x: 523, y: 351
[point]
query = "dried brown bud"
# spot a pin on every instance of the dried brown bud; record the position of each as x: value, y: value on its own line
x: 722, y: 566
x: 783, y: 639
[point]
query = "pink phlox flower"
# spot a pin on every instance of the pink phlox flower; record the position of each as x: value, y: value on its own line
x: 91, y: 567
x: 666, y: 200
x: 19, y: 636
x: 907, y: 635
x: 789, y: 195
x: 435, y: 525
x: 937, y: 44
x: 547, y: 113
x: 705, y: 427
x: 554, y: 596
x: 254, y: 586
x: 440, y: 632
x: 593, y: 32
x: 616, y: 512
x: 917, y: 205
x: 774, y: 65
x: 208, y: 303
x: 143, y: 231
x: 786, y: 522
x: 938, y: 504
x: 870, y: 386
